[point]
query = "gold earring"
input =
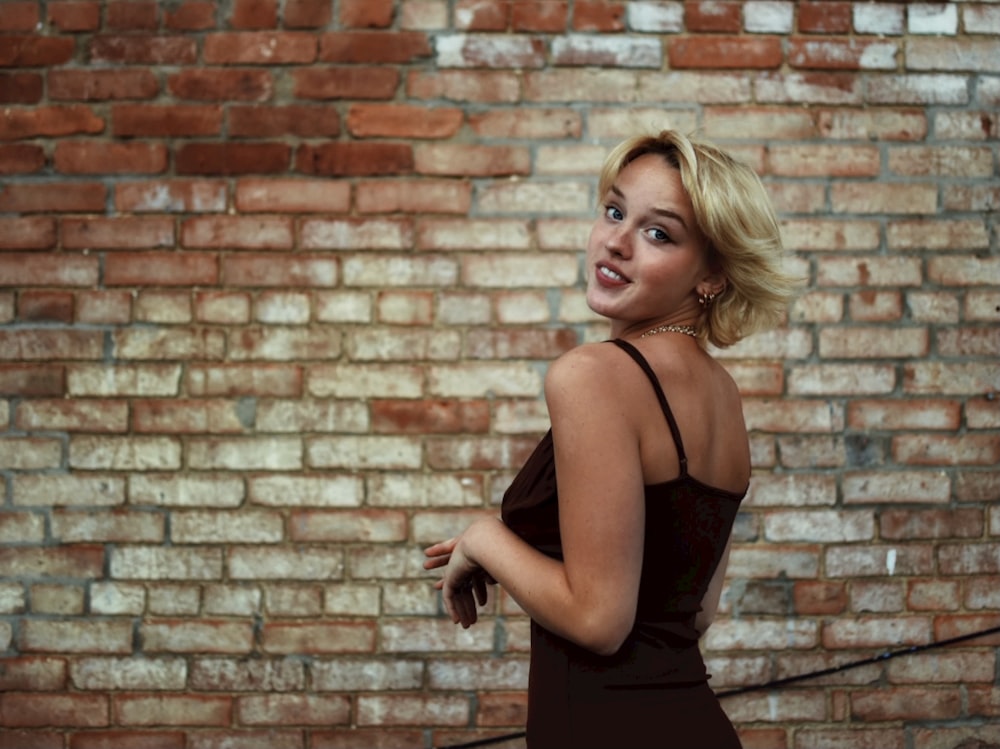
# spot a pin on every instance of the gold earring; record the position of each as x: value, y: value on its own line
x: 706, y: 299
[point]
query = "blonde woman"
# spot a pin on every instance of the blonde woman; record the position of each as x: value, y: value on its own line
x: 614, y: 536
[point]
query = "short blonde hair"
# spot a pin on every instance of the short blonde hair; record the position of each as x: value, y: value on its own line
x: 736, y: 217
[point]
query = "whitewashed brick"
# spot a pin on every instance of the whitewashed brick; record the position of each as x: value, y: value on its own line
x: 768, y: 17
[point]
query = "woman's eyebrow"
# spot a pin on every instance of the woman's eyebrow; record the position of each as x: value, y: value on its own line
x: 665, y: 212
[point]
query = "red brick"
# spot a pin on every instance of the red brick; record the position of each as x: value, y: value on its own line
x: 378, y: 738
x: 713, y: 16
x: 260, y: 47
x: 20, y: 88
x: 75, y: 157
x: 29, y: 233
x: 17, y: 124
x: 254, y: 14
x: 374, y: 47
x: 375, y: 14
x: 936, y: 450
x: 104, y: 307
x: 826, y: 161
x: 825, y: 17
x: 423, y: 417
x: 19, y: 15
x: 127, y: 232
x: 143, y: 49
x: 154, y: 120
x: 190, y: 15
x: 403, y: 121
x: 733, y: 53
x: 355, y: 159
x: 32, y: 380
x: 413, y: 196
x: 161, y: 269
x: 33, y: 673
x: 186, y: 416
x: 41, y: 344
x: 113, y: 739
x: 74, y: 16
x: 817, y: 597
x: 238, y: 232
x: 482, y: 15
x: 30, y: 269
x: 346, y: 83
x: 906, y: 703
x: 45, y: 306
x: 101, y: 85
x: 298, y: 270
x: 21, y: 158
x: 472, y: 160
x: 551, y: 17
x: 72, y: 197
x: 262, y: 121
x: 599, y: 15
x: 228, y: 159
x: 32, y: 709
x: 221, y: 84
x: 307, y: 14
x: 462, y: 85
x: 33, y: 51
x: 287, y: 195
x: 131, y: 15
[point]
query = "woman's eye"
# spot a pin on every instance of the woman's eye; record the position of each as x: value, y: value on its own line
x: 658, y: 235
x: 613, y: 213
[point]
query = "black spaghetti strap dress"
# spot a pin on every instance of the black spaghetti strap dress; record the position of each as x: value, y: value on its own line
x: 654, y: 691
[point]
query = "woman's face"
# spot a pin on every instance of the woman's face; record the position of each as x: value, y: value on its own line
x: 646, y: 254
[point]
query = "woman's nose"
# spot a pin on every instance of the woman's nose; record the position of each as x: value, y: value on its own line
x: 618, y: 242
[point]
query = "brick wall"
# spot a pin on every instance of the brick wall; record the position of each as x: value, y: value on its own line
x: 280, y: 280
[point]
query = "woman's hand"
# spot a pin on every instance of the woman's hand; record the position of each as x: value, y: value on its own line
x: 464, y: 583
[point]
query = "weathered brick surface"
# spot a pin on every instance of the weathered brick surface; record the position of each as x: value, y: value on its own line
x: 279, y: 280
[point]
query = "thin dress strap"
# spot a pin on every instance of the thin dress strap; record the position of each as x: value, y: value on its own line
x: 632, y: 351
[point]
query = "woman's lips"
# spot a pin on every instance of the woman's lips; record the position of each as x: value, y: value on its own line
x: 609, y: 276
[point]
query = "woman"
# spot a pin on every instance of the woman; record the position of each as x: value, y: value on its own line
x: 621, y: 565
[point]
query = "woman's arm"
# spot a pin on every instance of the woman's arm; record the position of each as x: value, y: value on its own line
x: 589, y: 597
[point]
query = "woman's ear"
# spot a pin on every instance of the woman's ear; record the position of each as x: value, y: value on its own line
x: 713, y: 284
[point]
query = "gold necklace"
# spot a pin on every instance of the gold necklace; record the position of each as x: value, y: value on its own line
x: 685, y: 329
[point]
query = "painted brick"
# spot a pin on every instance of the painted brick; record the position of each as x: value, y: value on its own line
x: 112, y: 636
x: 173, y: 710
x: 110, y: 673
x: 305, y: 710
